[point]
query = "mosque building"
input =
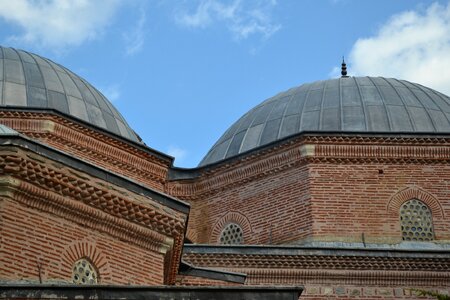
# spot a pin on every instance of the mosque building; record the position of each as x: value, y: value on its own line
x: 336, y: 189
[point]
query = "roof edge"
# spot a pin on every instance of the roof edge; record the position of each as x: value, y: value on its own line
x: 141, y: 146
x: 191, y: 270
x: 403, y: 249
x: 179, y: 173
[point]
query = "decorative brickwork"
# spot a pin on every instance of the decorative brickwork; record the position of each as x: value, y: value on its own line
x: 332, y: 273
x: 317, y: 262
x: 331, y: 188
x: 94, y: 146
x: 414, y: 192
x: 231, y: 217
x: 54, y: 189
x: 86, y: 249
x: 37, y: 246
x: 88, y: 193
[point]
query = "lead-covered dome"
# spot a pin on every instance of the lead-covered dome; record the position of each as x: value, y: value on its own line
x: 29, y: 80
x: 347, y: 104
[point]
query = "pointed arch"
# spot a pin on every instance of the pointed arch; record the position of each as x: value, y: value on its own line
x: 414, y: 192
x: 86, y: 249
x: 231, y: 217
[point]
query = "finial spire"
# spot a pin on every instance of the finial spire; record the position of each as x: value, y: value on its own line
x: 344, y: 68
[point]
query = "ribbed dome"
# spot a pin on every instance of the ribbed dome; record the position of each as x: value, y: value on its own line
x: 352, y: 104
x: 30, y: 80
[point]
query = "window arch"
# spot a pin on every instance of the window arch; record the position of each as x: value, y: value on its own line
x: 232, y: 234
x: 416, y: 221
x: 84, y: 272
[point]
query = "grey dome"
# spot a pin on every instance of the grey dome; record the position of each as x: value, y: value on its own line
x: 352, y: 104
x: 30, y: 80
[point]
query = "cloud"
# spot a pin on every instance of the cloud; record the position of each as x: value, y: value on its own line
x: 177, y: 152
x: 242, y: 19
x: 56, y: 24
x: 411, y: 45
x: 135, y: 38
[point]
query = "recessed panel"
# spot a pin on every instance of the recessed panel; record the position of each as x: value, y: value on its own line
x: 14, y: 94
x: 69, y: 86
x: 270, y: 132
x: 350, y: 96
x: 400, y: 121
x: 252, y: 137
x: 331, y: 119
x: 77, y: 107
x: 296, y: 104
x: 52, y: 81
x: 313, y: 101
x: 33, y: 75
x: 13, y: 71
x: 58, y: 101
x: 377, y: 118
x: 370, y: 95
x: 289, y: 125
x: 95, y: 115
x: 353, y: 119
x: 37, y: 97
x: 421, y: 119
x: 310, y: 121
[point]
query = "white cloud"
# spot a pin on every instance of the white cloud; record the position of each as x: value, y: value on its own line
x: 243, y: 19
x: 412, y: 45
x: 57, y: 24
x: 135, y: 38
x: 177, y: 152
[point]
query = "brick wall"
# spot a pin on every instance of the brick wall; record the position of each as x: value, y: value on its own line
x: 30, y: 237
x: 334, y: 192
x: 276, y: 207
x: 349, y: 200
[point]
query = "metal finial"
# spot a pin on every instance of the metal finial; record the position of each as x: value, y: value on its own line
x: 344, y: 68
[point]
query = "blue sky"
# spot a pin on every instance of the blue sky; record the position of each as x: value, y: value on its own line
x: 181, y: 72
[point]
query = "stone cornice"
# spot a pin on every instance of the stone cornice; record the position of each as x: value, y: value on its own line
x: 88, y: 143
x: 311, y: 149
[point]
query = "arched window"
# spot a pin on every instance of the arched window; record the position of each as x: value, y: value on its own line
x: 232, y: 234
x: 416, y: 221
x: 84, y: 272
